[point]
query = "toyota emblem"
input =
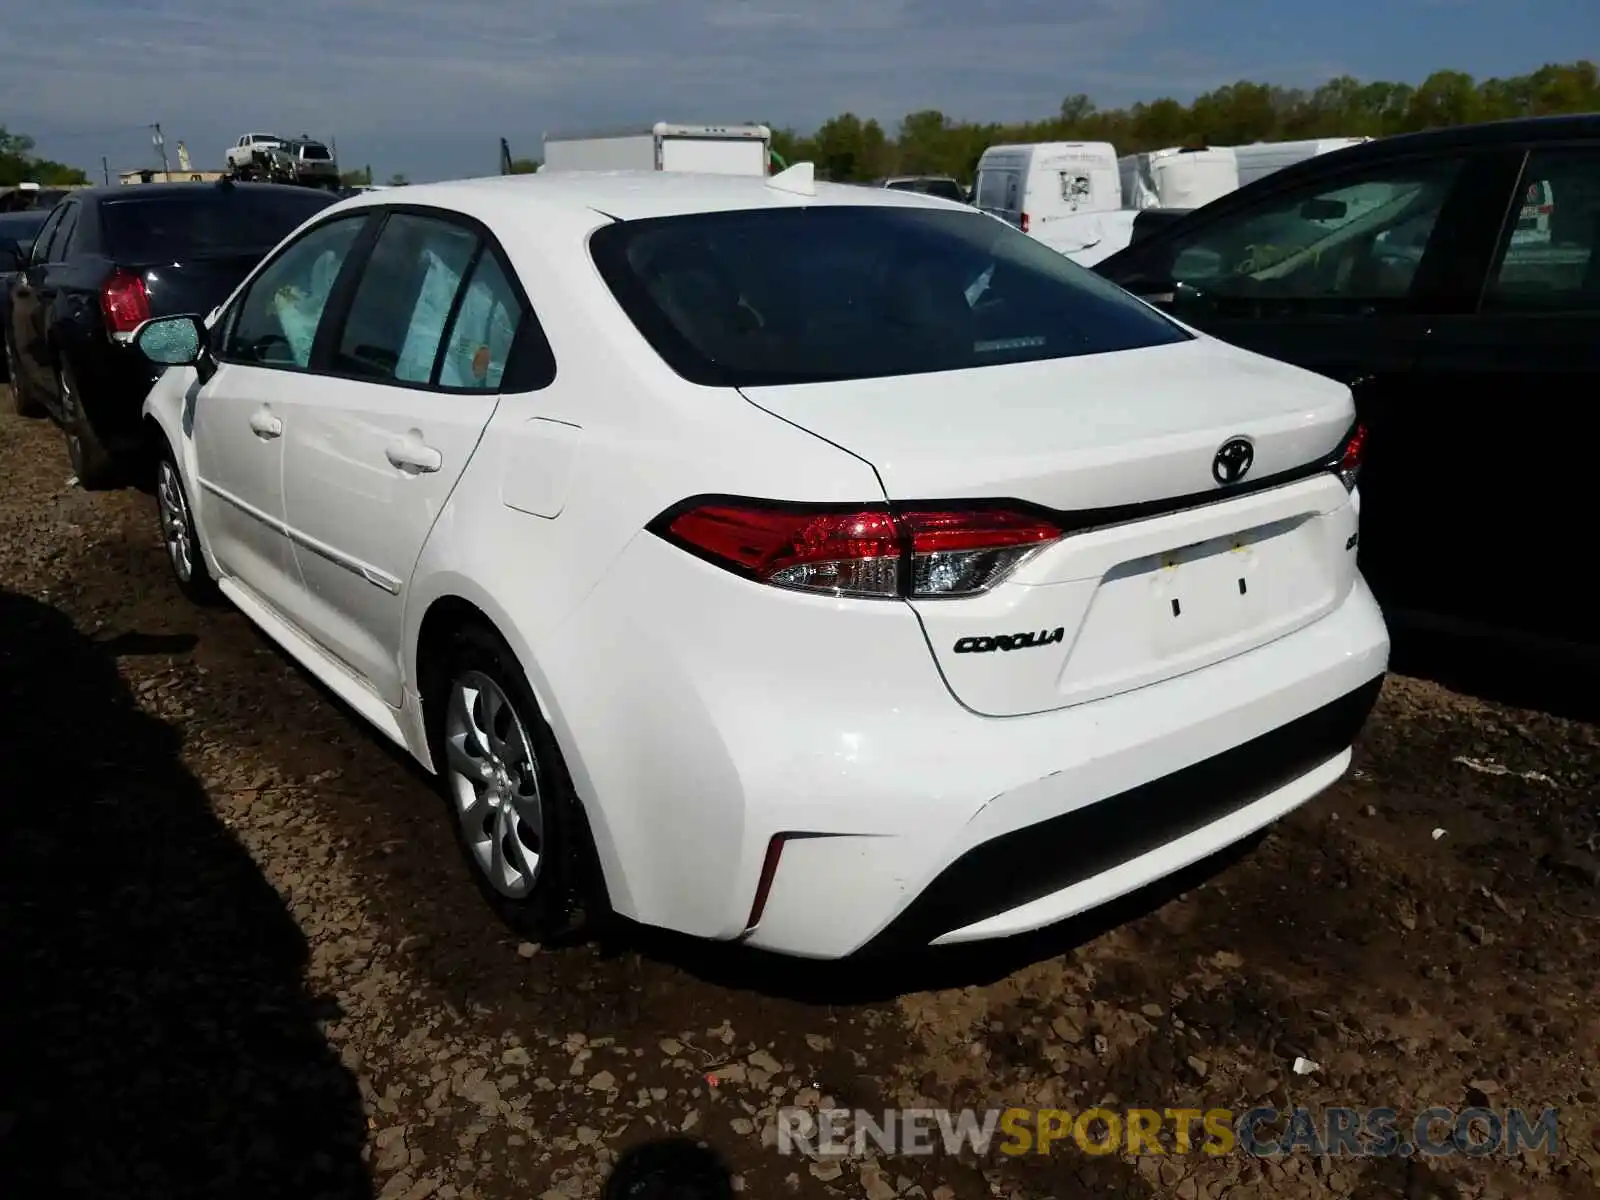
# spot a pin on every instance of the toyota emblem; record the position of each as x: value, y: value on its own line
x: 1233, y: 461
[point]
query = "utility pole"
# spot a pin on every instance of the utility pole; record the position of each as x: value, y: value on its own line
x: 160, y: 144
x: 105, y: 170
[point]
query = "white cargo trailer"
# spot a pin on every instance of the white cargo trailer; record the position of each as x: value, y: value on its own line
x: 1260, y: 159
x: 703, y: 149
x: 1177, y: 178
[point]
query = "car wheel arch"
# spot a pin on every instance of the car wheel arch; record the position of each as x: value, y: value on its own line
x: 443, y: 616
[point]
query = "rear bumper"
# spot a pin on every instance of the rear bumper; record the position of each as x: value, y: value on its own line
x: 1042, y: 873
x: 114, y: 379
x: 702, y: 727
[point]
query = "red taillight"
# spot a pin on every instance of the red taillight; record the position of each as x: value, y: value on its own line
x: 1349, y: 466
x: 922, y: 553
x: 125, y: 303
x: 1024, y: 223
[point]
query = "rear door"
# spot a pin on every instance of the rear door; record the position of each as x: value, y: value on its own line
x: 1511, y: 383
x: 410, y: 377
x: 45, y: 279
x: 1345, y: 273
x: 25, y: 317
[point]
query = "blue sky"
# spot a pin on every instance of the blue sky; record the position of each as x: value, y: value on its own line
x: 428, y: 88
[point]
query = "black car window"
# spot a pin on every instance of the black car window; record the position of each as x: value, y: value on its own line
x: 41, y: 243
x: 61, y: 240
x: 19, y: 229
x: 274, y: 324
x: 830, y: 292
x: 241, y: 219
x: 1550, y: 251
x: 1358, y: 237
x: 404, y: 301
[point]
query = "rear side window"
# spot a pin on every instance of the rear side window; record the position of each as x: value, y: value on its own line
x: 854, y: 292
x: 1550, y: 256
x: 41, y: 241
x: 206, y: 222
x: 402, y: 304
x: 434, y: 306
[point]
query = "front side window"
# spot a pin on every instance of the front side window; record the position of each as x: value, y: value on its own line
x: 402, y: 305
x: 852, y: 292
x: 1550, y: 256
x: 275, y: 323
x: 1360, y: 237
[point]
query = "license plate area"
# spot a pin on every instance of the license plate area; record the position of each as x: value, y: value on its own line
x: 1159, y: 615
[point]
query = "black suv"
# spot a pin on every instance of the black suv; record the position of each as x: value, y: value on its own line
x: 1452, y: 278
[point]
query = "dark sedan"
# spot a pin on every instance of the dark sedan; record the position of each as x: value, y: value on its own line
x: 104, y: 261
x: 1452, y: 278
x: 17, y: 231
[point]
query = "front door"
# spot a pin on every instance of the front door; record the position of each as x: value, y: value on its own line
x: 376, y: 449
x: 1345, y: 275
x: 263, y: 346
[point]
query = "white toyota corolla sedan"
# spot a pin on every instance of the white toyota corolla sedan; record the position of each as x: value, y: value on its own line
x: 825, y: 567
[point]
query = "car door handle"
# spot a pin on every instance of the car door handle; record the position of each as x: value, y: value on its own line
x: 412, y: 455
x: 264, y: 425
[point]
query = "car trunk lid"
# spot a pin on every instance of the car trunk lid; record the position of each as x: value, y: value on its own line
x: 1162, y: 569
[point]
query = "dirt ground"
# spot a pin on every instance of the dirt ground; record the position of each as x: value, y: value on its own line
x: 242, y: 957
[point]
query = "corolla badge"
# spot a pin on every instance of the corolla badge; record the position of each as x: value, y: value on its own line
x: 1233, y: 461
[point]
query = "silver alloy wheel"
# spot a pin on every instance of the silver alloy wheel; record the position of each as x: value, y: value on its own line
x: 494, y: 780
x: 175, y: 525
x: 69, y: 422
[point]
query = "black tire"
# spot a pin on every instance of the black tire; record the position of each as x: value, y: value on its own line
x: 22, y: 402
x: 179, y: 536
x: 91, y: 461
x: 566, y: 896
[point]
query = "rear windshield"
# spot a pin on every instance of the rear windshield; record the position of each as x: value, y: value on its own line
x: 207, y: 222
x: 855, y: 292
x: 313, y: 151
x: 947, y: 189
x: 20, y: 227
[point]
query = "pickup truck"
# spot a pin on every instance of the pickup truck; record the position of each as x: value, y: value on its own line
x: 303, y: 161
x: 249, y: 157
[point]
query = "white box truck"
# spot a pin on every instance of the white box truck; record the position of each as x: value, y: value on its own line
x: 1177, y: 177
x: 1034, y: 184
x: 703, y: 149
x: 1260, y: 159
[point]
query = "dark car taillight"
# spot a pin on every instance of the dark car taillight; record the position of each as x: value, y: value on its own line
x: 920, y: 554
x: 1347, y: 466
x: 125, y: 303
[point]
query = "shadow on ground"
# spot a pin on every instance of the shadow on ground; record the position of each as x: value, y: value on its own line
x: 1560, y: 684
x: 158, y: 1038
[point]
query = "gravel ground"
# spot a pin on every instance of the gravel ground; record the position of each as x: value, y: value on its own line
x: 245, y: 960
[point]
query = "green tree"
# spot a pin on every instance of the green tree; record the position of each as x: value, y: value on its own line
x: 19, y: 165
x: 850, y: 147
x: 398, y: 180
x: 361, y: 177
x: 524, y: 166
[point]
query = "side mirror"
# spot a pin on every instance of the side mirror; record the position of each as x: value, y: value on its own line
x: 179, y: 341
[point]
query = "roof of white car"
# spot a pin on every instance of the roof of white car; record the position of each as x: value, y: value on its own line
x: 634, y: 195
